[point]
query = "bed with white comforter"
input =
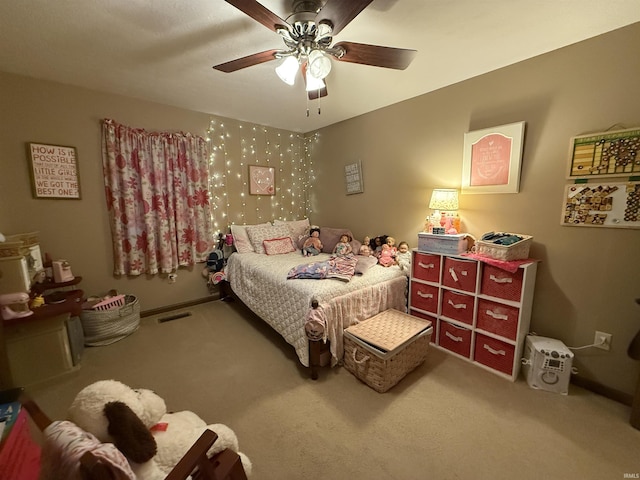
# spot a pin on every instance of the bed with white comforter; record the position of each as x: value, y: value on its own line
x: 260, y: 281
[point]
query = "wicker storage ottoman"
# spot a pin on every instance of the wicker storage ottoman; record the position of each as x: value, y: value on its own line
x: 380, y: 351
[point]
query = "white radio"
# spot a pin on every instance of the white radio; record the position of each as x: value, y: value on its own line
x: 547, y: 364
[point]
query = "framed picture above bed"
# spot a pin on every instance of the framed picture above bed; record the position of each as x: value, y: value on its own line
x: 262, y: 180
x: 492, y: 158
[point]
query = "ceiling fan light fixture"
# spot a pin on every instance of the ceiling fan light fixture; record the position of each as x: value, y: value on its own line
x: 319, y: 64
x: 314, y: 83
x: 288, y: 69
x: 323, y: 31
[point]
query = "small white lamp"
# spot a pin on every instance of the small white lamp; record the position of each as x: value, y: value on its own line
x: 444, y: 200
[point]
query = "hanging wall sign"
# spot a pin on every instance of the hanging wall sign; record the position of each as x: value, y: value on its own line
x: 353, y: 178
x: 54, y: 171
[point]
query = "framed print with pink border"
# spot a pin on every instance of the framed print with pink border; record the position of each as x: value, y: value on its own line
x: 492, y: 159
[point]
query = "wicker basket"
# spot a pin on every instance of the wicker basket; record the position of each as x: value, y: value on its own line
x: 104, y: 327
x: 507, y: 253
x: 382, y: 369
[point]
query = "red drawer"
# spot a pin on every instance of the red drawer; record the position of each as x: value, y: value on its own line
x: 494, y: 353
x: 497, y: 318
x: 460, y: 274
x: 426, y: 267
x: 501, y: 284
x: 457, y: 306
x: 454, y: 338
x: 424, y: 297
x: 434, y: 324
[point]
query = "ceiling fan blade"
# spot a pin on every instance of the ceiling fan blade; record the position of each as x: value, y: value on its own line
x: 248, y: 61
x: 259, y: 13
x: 376, y: 55
x: 314, y: 94
x: 341, y: 12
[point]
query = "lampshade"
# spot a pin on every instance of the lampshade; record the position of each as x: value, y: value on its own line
x: 314, y: 83
x: 288, y: 69
x: 444, y: 199
x: 319, y: 64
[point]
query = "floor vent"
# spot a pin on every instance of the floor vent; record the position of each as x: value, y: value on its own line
x: 174, y: 317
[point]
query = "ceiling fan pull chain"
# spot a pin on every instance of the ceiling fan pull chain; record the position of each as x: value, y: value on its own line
x: 318, y: 101
x: 307, y: 104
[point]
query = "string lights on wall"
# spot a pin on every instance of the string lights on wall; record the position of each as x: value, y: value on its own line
x: 236, y: 145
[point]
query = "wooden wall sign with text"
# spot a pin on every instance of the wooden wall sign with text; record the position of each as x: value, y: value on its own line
x: 54, y: 171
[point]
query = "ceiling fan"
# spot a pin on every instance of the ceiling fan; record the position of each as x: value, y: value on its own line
x: 308, y: 34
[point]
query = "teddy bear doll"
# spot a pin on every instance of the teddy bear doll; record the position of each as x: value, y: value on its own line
x: 137, y: 422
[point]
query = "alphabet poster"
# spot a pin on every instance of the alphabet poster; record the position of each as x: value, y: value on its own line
x: 54, y: 171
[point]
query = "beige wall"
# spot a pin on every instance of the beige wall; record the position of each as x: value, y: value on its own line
x: 588, y: 277
x: 78, y: 230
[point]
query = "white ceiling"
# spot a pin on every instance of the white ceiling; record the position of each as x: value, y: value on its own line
x: 163, y: 50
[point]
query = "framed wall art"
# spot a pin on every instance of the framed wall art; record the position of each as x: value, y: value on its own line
x: 606, y: 154
x: 262, y: 180
x: 353, y: 178
x: 54, y: 171
x: 492, y: 158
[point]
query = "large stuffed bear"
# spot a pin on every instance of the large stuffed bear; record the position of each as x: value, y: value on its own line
x: 137, y: 422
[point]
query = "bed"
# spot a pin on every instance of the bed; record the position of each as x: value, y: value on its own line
x: 260, y: 282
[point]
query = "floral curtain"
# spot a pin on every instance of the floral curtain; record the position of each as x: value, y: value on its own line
x: 158, y: 200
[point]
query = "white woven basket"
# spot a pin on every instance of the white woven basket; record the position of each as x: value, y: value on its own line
x: 507, y: 253
x: 104, y: 327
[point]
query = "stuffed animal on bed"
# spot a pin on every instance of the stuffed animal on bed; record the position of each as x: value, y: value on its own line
x: 137, y: 422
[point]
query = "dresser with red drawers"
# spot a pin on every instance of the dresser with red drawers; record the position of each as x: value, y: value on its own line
x: 479, y: 312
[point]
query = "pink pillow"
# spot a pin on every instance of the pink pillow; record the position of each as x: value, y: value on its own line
x: 278, y: 246
x: 260, y: 233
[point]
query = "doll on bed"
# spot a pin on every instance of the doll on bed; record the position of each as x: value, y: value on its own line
x: 386, y: 258
x: 312, y: 245
x: 343, y: 247
x: 403, y: 257
x: 376, y: 245
x: 392, y: 245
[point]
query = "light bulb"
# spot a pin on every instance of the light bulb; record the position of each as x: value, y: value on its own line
x: 319, y: 64
x: 288, y: 69
x: 314, y: 83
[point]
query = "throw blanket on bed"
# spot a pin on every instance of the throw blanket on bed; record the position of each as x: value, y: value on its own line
x: 338, y: 267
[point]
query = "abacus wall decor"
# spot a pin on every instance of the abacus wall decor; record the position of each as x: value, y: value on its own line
x: 606, y: 154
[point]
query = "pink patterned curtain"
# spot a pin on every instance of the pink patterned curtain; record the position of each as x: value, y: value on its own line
x: 158, y: 200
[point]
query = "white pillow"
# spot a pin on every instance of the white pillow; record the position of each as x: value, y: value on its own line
x: 241, y: 238
x: 299, y: 228
x: 260, y: 233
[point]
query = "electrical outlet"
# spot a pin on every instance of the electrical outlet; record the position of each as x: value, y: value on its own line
x: 602, y: 340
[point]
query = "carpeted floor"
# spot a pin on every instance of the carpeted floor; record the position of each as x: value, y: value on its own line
x: 446, y: 420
